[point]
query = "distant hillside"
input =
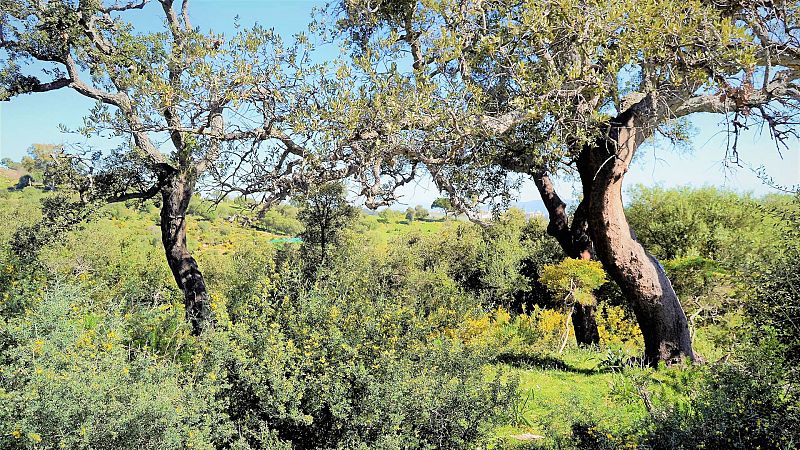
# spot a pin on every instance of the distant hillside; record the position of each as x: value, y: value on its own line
x: 531, y: 206
x: 10, y: 175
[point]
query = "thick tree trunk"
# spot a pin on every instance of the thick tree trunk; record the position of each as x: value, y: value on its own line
x: 639, y: 275
x: 576, y: 243
x: 176, y: 193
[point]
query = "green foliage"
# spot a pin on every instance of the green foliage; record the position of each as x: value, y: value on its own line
x: 9, y: 163
x: 706, y: 222
x: 70, y: 379
x: 281, y: 219
x: 575, y: 278
x: 385, y: 216
x: 774, y: 300
x: 509, y: 246
x: 693, y: 275
x: 420, y: 213
x: 442, y: 203
x: 347, y: 366
x: 744, y: 405
x: 500, y: 263
x: 202, y: 208
x: 59, y: 215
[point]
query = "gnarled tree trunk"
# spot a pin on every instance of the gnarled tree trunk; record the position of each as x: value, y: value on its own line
x: 640, y: 276
x: 176, y: 193
x: 576, y: 243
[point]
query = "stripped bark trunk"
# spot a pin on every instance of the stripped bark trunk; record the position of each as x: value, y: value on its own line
x: 644, y: 283
x: 176, y: 193
x: 575, y: 242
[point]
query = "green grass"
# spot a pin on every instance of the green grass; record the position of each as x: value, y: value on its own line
x: 562, y: 389
x: 382, y: 228
x: 556, y: 391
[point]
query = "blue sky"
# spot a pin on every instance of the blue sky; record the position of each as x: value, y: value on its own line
x: 35, y: 119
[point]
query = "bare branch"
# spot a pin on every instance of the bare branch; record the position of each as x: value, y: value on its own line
x: 124, y: 6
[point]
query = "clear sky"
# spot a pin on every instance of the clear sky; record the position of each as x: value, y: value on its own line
x: 33, y: 119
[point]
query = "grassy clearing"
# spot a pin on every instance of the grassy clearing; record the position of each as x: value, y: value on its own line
x: 381, y: 231
x: 554, y: 390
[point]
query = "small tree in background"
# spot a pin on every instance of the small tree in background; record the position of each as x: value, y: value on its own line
x: 574, y: 280
x: 444, y: 204
x: 385, y: 215
x: 420, y: 213
x: 325, y: 213
x: 410, y: 215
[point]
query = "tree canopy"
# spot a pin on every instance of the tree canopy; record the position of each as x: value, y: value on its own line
x: 518, y: 86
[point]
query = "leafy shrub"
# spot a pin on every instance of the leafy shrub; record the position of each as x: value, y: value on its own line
x: 68, y: 380
x: 348, y: 364
x: 774, y: 300
x: 534, y: 331
x: 501, y: 263
x: 745, y: 405
x: 575, y: 279
x: 706, y: 222
x: 617, y: 329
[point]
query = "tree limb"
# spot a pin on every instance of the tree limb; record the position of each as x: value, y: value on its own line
x: 124, y: 6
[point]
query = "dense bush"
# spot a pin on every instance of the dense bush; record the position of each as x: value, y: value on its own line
x: 501, y: 263
x: 707, y: 222
x: 774, y: 302
x: 369, y: 358
x: 345, y: 366
x: 71, y: 379
x: 745, y: 404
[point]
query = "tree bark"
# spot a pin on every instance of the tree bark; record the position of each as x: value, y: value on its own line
x: 644, y: 283
x: 575, y: 242
x: 176, y: 193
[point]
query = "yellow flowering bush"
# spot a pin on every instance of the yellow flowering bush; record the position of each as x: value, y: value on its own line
x: 616, y: 329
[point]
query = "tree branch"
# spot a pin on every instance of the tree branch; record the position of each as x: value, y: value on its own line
x: 146, y: 195
x: 27, y: 85
x: 558, y: 225
x: 124, y: 6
